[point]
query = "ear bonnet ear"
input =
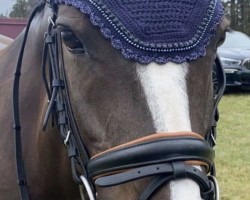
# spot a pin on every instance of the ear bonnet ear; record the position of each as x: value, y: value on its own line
x: 155, y: 30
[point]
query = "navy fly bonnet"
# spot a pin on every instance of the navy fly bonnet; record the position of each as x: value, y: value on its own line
x: 154, y: 30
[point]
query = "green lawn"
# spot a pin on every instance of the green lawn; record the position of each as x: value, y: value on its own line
x: 233, y: 147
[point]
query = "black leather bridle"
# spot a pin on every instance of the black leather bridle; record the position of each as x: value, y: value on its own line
x: 160, y: 156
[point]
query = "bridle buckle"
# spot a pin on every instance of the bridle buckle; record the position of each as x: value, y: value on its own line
x: 51, y: 21
x: 67, y: 138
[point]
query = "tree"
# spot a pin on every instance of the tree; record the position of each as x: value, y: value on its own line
x: 238, y: 12
x: 22, y: 8
x: 2, y: 15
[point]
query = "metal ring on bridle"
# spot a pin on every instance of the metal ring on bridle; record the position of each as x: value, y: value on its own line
x: 216, y: 187
x: 87, y: 187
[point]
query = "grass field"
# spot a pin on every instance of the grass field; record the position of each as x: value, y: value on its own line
x: 233, y: 147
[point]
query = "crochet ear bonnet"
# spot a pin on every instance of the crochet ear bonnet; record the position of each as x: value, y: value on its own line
x: 154, y: 30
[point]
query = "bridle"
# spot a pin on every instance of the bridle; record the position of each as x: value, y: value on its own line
x: 156, y: 155
x: 120, y: 164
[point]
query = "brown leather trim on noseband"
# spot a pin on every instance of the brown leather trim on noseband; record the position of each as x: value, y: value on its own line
x: 152, y: 137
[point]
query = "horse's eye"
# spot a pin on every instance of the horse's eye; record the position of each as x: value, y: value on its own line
x: 73, y: 44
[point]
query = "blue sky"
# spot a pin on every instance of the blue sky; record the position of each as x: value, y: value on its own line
x: 6, y: 5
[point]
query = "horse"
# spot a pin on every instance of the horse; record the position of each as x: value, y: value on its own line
x: 125, y: 127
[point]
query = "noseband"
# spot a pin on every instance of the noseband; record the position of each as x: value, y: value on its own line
x: 164, y: 156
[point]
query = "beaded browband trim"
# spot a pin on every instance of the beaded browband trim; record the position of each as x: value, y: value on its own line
x: 155, y: 30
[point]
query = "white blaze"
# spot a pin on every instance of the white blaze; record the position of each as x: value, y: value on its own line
x: 166, y: 93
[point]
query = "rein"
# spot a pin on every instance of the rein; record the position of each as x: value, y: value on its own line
x: 16, y: 116
x: 156, y: 155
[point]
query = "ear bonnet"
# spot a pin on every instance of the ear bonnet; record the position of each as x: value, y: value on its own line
x: 154, y: 30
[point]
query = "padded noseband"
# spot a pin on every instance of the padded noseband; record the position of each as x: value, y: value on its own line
x: 153, y: 149
x: 167, y: 156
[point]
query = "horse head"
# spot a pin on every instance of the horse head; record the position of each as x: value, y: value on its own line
x: 128, y: 78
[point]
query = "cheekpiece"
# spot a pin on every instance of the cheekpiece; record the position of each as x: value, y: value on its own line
x: 155, y: 30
